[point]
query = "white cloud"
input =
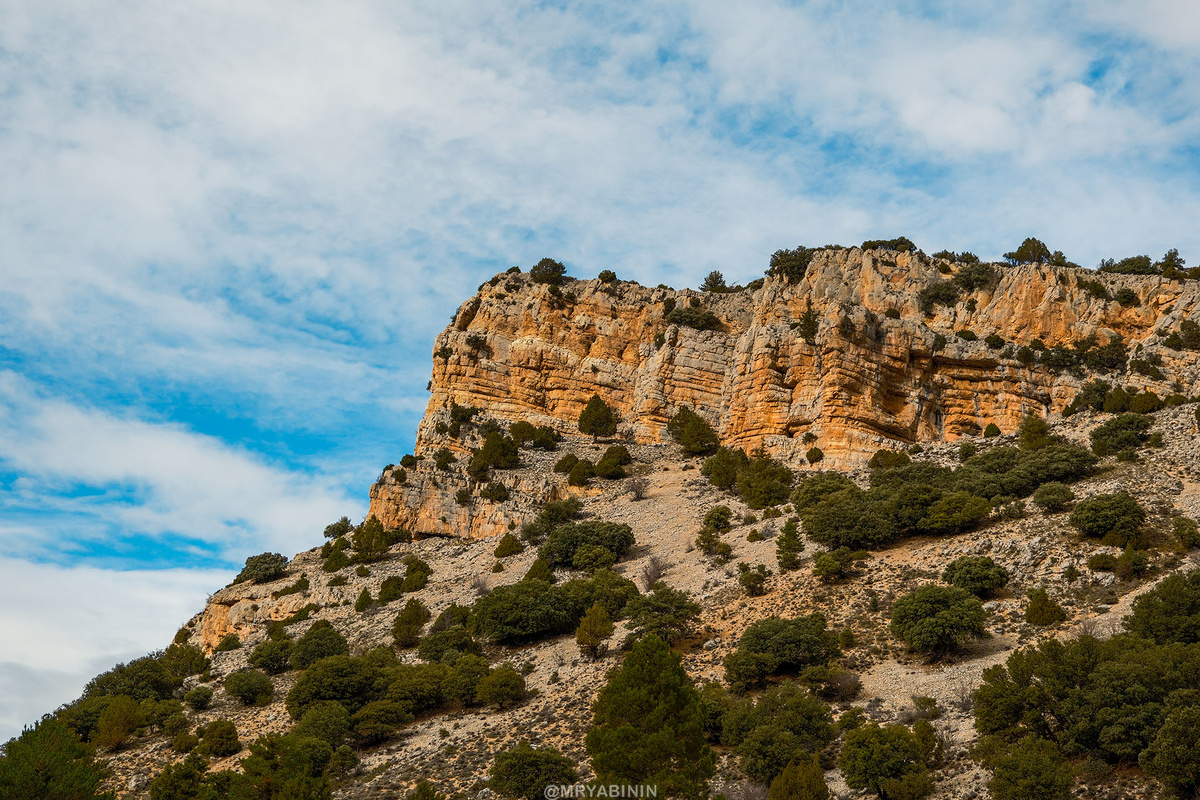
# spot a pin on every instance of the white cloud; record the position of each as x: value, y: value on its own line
x: 63, y: 626
x: 187, y: 485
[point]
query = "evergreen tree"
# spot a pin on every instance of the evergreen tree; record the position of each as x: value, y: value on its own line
x: 594, y: 629
x: 789, y: 547
x: 648, y: 726
x: 597, y: 419
x: 47, y: 762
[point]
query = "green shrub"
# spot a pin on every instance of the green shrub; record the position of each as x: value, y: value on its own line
x: 886, y: 761
x: 48, y: 762
x: 938, y: 293
x: 1146, y: 402
x: 786, y: 723
x: 763, y: 482
x: 581, y: 473
x: 406, y: 630
x: 438, y: 643
x: 888, y: 459
x: 719, y: 518
x: 979, y: 575
x: 936, y: 619
x: 692, y: 433
x: 1102, y: 562
x: 789, y: 546
x: 753, y: 579
x: 416, y: 574
x: 611, y: 465
x: 1054, y: 496
x: 525, y: 611
x: 525, y: 772
x: 220, y: 739
x: 1115, y: 519
x: 509, y: 546
x: 116, y: 723
x: 319, y: 641
x: 664, y: 612
x: 1031, y: 768
x: 566, y: 463
x: 597, y: 418
x: 1033, y: 433
x: 262, y: 568
x: 790, y: 265
x: 561, y: 546
x: 833, y: 565
x: 337, y: 560
x: 1186, y: 531
x: 199, y: 698
x: 606, y: 276
x: 364, y: 600
x: 540, y: 570
x: 497, y: 452
x: 250, y: 687
x: 501, y: 687
x: 326, y: 720
x: 229, y: 641
x: 648, y: 725
x: 494, y: 492
x: 775, y: 646
x: 1125, y: 431
x: 594, y: 629
x: 1170, y: 612
x: 272, y: 656
x: 813, y: 489
x: 698, y: 318
x: 1042, y: 610
x: 548, y: 271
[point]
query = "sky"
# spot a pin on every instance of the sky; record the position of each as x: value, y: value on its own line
x: 230, y: 231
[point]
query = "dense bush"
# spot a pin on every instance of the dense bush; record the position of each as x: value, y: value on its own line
x: 454, y: 639
x: 1115, y: 519
x: 1042, y: 610
x: 664, y: 612
x: 501, y: 687
x: 509, y: 546
x: 776, y: 646
x: 1127, y: 431
x: 692, y: 432
x: 597, y: 418
x: 611, y: 465
x: 548, y: 271
x: 813, y: 489
x: 936, y: 619
x: 979, y: 575
x: 1169, y: 613
x: 1120, y: 700
x: 525, y: 611
x: 272, y: 656
x: 262, y: 568
x: 564, y: 542
x: 594, y: 629
x: 321, y: 640
x: 886, y: 761
x: 648, y: 726
x: 787, y: 722
x: 406, y: 629
x: 790, y: 265
x: 199, y: 698
x: 48, y: 762
x: 938, y: 293
x: 1051, y: 497
x: 251, y: 687
x: 566, y: 463
x: 789, y: 546
x: 220, y: 739
x: 698, y: 318
x: 582, y: 472
x: 525, y: 772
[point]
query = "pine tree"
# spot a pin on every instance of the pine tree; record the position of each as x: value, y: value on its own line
x: 789, y: 547
x: 595, y: 627
x: 47, y: 762
x: 648, y: 726
x: 598, y: 418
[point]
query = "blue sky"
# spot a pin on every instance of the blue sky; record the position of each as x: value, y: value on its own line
x: 231, y: 231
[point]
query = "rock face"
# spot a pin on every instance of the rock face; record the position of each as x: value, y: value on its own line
x: 877, y: 373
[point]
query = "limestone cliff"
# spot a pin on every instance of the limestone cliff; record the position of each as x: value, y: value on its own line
x: 877, y: 373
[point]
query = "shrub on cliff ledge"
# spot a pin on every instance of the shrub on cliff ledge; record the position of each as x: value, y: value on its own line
x: 262, y: 568
x: 319, y: 641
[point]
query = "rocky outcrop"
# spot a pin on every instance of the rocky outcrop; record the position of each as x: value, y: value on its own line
x: 877, y: 373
